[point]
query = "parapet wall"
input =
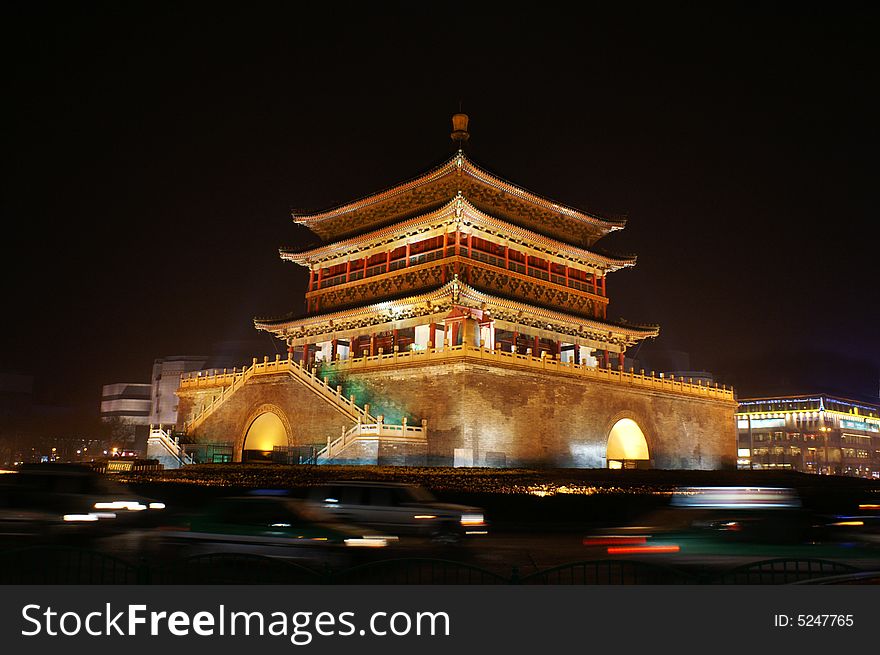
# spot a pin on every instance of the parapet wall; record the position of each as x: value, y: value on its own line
x: 501, y: 416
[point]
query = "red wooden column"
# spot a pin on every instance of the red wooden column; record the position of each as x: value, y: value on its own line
x: 394, y: 341
x: 311, y: 279
x: 566, y: 275
x: 443, y: 268
x: 372, y: 344
x: 506, y: 257
x: 456, y: 268
x: 536, y: 349
x: 347, y: 270
x: 470, y: 244
x: 432, y: 335
x: 595, y: 283
x: 305, y: 361
x: 333, y: 343
x: 320, y: 276
x: 407, y: 253
x: 388, y: 261
x: 620, y: 359
x: 515, y: 339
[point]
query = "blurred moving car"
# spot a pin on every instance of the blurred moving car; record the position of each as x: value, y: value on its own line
x: 713, y: 519
x: 58, y: 502
x: 271, y: 525
x: 398, y: 508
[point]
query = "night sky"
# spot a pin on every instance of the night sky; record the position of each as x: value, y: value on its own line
x: 154, y: 154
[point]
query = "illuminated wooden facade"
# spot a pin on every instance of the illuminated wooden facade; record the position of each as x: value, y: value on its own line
x: 457, y: 256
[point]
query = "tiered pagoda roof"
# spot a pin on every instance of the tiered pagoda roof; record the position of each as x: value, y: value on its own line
x: 484, y: 191
x: 437, y: 303
x: 495, y: 247
x: 458, y: 212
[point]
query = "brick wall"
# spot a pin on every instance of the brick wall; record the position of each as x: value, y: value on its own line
x: 504, y: 416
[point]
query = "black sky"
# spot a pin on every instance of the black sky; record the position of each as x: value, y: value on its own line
x: 155, y: 153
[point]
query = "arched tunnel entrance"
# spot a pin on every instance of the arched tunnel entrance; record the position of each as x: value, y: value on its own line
x: 627, y: 446
x: 263, y: 434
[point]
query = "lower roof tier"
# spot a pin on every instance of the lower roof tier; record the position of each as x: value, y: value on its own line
x: 436, y: 305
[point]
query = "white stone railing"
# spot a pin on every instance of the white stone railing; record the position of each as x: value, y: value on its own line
x: 546, y: 363
x: 402, y: 433
x: 163, y: 441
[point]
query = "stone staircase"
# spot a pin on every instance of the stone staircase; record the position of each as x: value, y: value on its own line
x: 373, y: 432
x: 165, y: 448
x: 232, y: 382
x: 367, y: 428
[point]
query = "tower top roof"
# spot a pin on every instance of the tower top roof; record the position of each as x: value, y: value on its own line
x: 436, y: 222
x: 483, y: 190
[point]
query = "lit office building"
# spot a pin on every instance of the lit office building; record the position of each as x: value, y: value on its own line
x: 811, y: 433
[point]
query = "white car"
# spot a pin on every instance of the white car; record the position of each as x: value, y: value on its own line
x: 396, y: 508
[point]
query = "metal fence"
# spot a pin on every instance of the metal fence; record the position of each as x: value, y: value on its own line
x: 63, y: 565
x: 417, y: 571
x: 610, y: 572
x: 783, y: 571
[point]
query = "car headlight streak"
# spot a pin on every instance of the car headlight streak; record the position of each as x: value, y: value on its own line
x: 472, y: 519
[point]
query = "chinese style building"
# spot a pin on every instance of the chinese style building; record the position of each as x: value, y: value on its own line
x: 459, y: 319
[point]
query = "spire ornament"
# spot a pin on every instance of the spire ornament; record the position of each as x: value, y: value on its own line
x: 459, y: 129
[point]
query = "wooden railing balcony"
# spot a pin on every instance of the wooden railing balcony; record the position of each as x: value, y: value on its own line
x: 492, y: 259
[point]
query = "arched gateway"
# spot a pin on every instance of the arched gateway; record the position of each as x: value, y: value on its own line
x: 627, y: 446
x: 265, y: 432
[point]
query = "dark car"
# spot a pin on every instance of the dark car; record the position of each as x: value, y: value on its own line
x: 396, y: 508
x: 270, y: 525
x: 57, y: 502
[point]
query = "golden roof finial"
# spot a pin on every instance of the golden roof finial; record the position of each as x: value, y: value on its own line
x: 459, y: 129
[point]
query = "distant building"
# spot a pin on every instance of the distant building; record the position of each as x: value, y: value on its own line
x: 127, y: 406
x: 815, y: 433
x: 16, y: 411
x: 129, y: 401
x: 165, y: 380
